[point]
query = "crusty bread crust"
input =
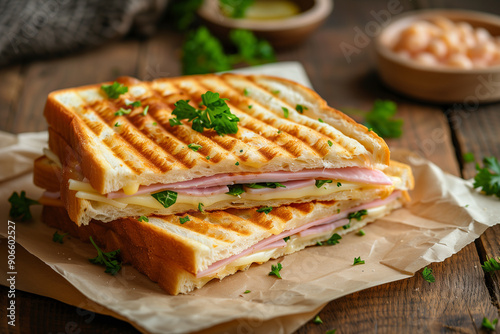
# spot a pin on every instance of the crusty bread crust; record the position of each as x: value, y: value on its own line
x: 137, y: 151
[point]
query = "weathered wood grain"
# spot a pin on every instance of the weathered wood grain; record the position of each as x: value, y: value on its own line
x: 10, y: 88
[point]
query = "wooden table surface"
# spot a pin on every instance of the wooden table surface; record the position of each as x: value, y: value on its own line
x: 462, y: 294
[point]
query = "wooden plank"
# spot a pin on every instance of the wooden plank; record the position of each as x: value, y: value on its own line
x: 414, y: 305
x: 10, y: 88
x: 476, y: 132
x: 42, y: 77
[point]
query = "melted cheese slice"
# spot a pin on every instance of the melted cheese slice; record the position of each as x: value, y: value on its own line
x: 85, y: 191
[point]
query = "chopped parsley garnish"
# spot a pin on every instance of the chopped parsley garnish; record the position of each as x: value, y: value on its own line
x: 265, y: 209
x: 182, y: 220
x: 488, y: 178
x: 117, y: 124
x: 320, y: 120
x: 319, y: 243
x: 468, y: 157
x: 154, y: 123
x: 427, y: 275
x: 194, y: 147
x: 491, y: 265
x: 166, y: 198
x: 286, y: 238
x: 330, y: 143
x: 215, y: 116
x: 20, y: 206
x: 275, y: 270
x: 237, y: 163
x: 115, y: 90
x: 207, y: 157
x: 235, y: 8
x: 357, y: 215
x: 174, y: 121
x: 58, y: 237
x: 145, y: 111
x: 334, y: 239
x: 122, y: 112
x: 250, y: 106
x: 380, y: 119
x: 235, y: 190
x: 357, y: 260
x: 200, y: 207
x: 143, y: 219
x: 339, y: 184
x: 247, y: 291
x: 109, y: 259
x: 300, y: 108
x: 134, y: 104
x: 245, y: 92
x: 261, y: 185
x: 346, y: 226
x: 491, y: 325
x: 285, y: 112
x: 361, y: 233
x: 319, y: 183
x: 317, y: 320
x: 275, y: 92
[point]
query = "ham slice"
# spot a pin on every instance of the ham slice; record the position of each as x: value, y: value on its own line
x: 351, y: 174
x: 330, y: 222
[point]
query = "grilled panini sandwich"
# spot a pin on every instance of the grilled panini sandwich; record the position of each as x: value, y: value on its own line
x: 185, y: 251
x: 207, y: 142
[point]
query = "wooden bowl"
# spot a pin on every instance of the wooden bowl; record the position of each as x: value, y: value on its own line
x: 279, y: 32
x: 438, y: 84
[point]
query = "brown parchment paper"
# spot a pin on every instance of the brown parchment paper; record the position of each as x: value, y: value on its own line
x: 445, y: 214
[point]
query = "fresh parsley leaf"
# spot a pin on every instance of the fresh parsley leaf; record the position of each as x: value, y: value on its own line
x: 117, y: 124
x: 245, y: 92
x: 154, y: 124
x: 115, y: 90
x: 251, y: 50
x: 468, y: 157
x: 58, y: 237
x: 319, y: 183
x: 207, y: 157
x: 200, y: 207
x: 319, y: 243
x: 143, y: 219
x: 488, y: 177
x: 317, y: 320
x: 174, y: 121
x: 235, y: 190
x: 320, y: 120
x: 181, y: 14
x: 265, y: 209
x: 194, y: 147
x: 203, y: 53
x: 275, y: 270
x: 381, y: 120
x: 247, y: 291
x: 261, y: 185
x: 339, y: 184
x: 428, y: 276
x: 357, y: 215
x: 145, y: 111
x: 275, y: 92
x: 182, y: 220
x: 346, y: 226
x: 122, y: 112
x: 109, y: 259
x: 286, y: 238
x: 250, y: 106
x: 330, y: 143
x: 237, y: 163
x: 166, y: 198
x: 491, y: 325
x: 334, y: 239
x: 216, y: 115
x: 235, y: 8
x: 285, y: 112
x: 491, y: 265
x: 361, y: 233
x: 357, y: 260
x: 133, y: 104
x: 20, y: 206
x: 300, y: 108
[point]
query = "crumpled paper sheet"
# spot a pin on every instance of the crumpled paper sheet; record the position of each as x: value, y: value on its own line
x: 445, y: 215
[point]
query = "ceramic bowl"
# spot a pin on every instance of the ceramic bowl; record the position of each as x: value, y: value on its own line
x: 439, y: 84
x: 283, y: 32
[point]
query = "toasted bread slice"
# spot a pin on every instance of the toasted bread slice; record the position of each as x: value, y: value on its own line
x: 177, y: 254
x: 141, y: 148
